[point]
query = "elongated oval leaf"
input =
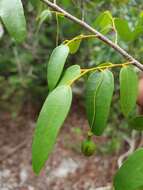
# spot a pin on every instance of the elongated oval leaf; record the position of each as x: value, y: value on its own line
x: 128, y: 89
x: 123, y: 30
x: 130, y: 175
x: 51, y: 118
x: 12, y: 15
x: 136, y: 123
x: 104, y: 22
x: 99, y: 91
x: 56, y: 64
x: 70, y: 74
x: 74, y: 45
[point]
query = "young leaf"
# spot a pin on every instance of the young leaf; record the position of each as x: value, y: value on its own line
x: 12, y: 15
x: 123, y: 29
x: 99, y: 91
x: 136, y: 123
x: 51, y: 118
x: 104, y: 22
x: 45, y: 14
x: 56, y: 64
x: 128, y: 89
x: 130, y: 175
x: 74, y: 45
x: 70, y: 74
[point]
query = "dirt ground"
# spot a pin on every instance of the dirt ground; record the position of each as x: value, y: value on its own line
x: 67, y: 168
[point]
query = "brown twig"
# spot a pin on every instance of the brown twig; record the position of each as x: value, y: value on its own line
x: 100, y: 36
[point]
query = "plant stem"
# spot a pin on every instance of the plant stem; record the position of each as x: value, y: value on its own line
x: 100, y: 68
x: 109, y: 66
x: 100, y: 36
x: 80, y: 37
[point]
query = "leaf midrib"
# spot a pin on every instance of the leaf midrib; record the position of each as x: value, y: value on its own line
x: 95, y: 94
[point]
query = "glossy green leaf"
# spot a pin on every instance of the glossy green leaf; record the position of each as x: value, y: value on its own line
x: 130, y: 175
x: 74, y: 45
x: 104, y: 22
x: 136, y: 123
x: 99, y: 91
x: 12, y: 15
x: 128, y: 89
x: 51, y: 118
x: 70, y: 74
x: 56, y: 64
x: 123, y: 30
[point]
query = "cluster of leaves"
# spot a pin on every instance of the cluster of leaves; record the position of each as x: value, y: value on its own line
x: 98, y: 93
x: 33, y: 54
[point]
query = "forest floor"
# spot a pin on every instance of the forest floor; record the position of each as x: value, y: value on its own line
x: 67, y: 168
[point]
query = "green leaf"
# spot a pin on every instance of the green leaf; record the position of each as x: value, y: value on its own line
x: 74, y: 45
x: 123, y: 30
x: 136, y: 123
x: 103, y: 22
x: 128, y: 89
x: 12, y: 15
x: 70, y: 74
x: 56, y: 64
x: 99, y: 91
x: 45, y: 14
x: 130, y: 175
x: 139, y: 27
x: 51, y: 118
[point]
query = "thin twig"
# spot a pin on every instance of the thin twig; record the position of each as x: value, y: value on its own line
x: 99, y: 68
x: 80, y: 37
x: 131, y: 141
x: 100, y: 36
